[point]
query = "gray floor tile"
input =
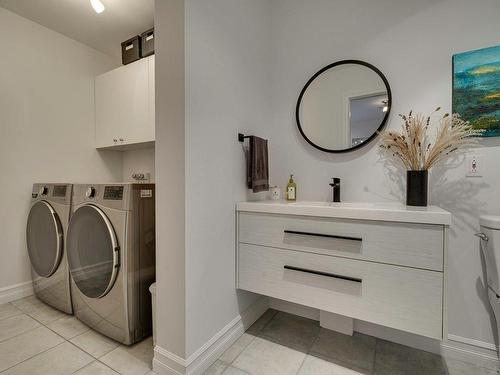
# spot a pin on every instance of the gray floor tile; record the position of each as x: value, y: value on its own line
x: 424, y: 363
x: 7, y: 310
x: 263, y: 357
x: 96, y: 368
x: 68, y: 327
x: 27, y: 345
x: 133, y: 360
x: 94, y: 343
x: 293, y: 331
x: 62, y: 359
x: 216, y: 369
x: 15, y: 325
x: 235, y: 350
x: 356, y: 352
x: 262, y: 321
x: 317, y: 366
x: 391, y: 358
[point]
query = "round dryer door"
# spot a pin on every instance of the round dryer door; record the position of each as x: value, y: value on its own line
x: 93, y: 251
x: 44, y: 237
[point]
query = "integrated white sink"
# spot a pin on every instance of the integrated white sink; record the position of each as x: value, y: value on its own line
x: 358, y: 205
x: 390, y: 211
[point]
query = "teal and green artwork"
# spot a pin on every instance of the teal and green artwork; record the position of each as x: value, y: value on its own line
x: 476, y: 89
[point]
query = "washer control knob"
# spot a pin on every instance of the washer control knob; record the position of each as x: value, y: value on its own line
x: 43, y: 191
x: 90, y: 193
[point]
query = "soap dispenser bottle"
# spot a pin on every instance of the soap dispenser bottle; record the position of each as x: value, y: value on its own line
x: 291, y: 190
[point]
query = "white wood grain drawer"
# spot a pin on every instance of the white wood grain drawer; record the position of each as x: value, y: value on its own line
x: 412, y: 245
x: 399, y: 297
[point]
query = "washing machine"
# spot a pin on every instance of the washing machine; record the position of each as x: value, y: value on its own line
x: 45, y: 237
x: 111, y: 257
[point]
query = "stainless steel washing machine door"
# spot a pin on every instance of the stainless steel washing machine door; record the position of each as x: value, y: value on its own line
x: 93, y: 251
x: 44, y: 238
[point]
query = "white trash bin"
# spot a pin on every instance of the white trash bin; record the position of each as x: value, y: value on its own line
x: 152, y: 289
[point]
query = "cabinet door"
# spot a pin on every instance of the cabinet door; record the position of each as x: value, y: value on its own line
x: 122, y: 105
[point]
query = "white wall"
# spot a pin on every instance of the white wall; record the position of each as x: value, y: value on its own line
x: 46, y: 126
x: 412, y: 43
x: 245, y: 64
x: 227, y: 91
x: 138, y: 161
x: 170, y: 177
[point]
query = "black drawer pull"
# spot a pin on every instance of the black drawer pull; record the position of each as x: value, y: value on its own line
x: 324, y: 235
x: 321, y: 273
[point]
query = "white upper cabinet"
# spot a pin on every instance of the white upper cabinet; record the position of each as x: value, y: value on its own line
x: 125, y: 105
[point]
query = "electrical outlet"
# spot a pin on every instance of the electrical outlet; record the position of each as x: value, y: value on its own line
x: 475, y: 166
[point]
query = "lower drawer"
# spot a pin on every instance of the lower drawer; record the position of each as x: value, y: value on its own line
x: 399, y: 297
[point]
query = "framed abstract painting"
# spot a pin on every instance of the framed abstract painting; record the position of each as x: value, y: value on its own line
x: 476, y: 89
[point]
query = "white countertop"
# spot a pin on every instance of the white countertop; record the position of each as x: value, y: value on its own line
x: 352, y: 210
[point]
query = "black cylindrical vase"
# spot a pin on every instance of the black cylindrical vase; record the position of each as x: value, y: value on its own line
x: 416, y: 188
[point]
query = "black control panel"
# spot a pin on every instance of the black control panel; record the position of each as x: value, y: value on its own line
x: 59, y: 191
x: 113, y: 193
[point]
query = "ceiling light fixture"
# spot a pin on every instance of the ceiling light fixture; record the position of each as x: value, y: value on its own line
x: 98, y: 6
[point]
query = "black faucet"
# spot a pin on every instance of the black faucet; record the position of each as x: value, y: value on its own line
x: 335, y: 184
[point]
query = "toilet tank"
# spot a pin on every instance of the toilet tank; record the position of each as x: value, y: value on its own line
x: 490, y: 226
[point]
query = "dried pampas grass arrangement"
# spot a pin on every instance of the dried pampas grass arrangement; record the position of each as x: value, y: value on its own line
x: 413, y: 146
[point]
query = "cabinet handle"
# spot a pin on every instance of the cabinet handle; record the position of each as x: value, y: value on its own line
x: 323, y: 235
x: 121, y: 139
x: 115, y: 140
x: 321, y: 273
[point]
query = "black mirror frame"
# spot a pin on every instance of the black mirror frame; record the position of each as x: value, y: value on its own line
x: 318, y: 73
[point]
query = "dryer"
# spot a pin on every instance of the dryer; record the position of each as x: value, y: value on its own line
x: 45, y: 237
x: 111, y: 255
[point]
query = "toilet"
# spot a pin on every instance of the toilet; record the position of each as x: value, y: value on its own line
x: 490, y: 246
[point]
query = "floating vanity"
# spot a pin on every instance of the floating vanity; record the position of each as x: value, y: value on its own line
x: 380, y: 263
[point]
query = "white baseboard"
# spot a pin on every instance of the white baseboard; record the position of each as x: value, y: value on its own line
x: 481, y: 353
x: 467, y: 350
x: 472, y: 342
x: 166, y: 363
x: 17, y: 291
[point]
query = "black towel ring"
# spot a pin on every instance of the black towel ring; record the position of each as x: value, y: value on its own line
x: 241, y: 137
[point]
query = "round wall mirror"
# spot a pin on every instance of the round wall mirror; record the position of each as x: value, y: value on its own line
x: 343, y: 106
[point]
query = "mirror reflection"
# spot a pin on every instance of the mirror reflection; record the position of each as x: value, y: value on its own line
x: 343, y: 106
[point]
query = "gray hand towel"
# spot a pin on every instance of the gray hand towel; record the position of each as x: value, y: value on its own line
x: 257, y: 165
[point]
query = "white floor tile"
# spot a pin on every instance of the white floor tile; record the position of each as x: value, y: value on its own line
x: 46, y: 314
x: 27, y: 304
x: 62, y: 360
x: 234, y: 371
x: 456, y: 367
x: 27, y: 345
x: 96, y: 368
x: 133, y: 360
x: 235, y: 350
x: 316, y: 366
x: 216, y: 369
x: 94, y: 343
x: 7, y: 310
x: 68, y: 327
x: 15, y: 325
x: 263, y: 357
